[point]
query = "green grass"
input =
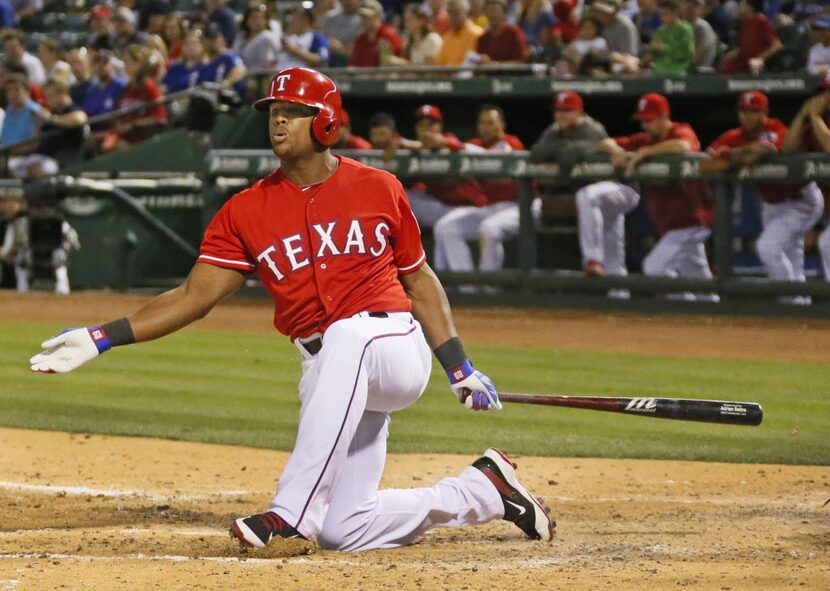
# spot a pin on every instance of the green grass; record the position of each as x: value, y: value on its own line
x: 240, y: 388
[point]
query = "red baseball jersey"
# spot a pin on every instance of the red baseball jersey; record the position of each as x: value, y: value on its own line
x: 675, y: 205
x: 497, y: 190
x: 810, y: 143
x: 772, y: 137
x: 466, y: 192
x: 355, y: 142
x: 323, y: 252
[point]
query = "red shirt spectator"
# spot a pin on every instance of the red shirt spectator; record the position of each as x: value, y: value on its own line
x: 134, y: 95
x: 756, y: 39
x: 675, y: 205
x: 376, y: 39
x: 567, y: 27
x: 502, y: 41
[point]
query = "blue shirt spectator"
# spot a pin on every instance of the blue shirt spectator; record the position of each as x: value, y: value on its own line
x: 223, y: 66
x: 22, y: 113
x: 223, y: 17
x: 180, y: 76
x: 6, y: 15
x: 100, y: 98
x: 536, y: 26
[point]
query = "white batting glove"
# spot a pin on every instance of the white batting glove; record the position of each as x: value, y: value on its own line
x: 472, y: 388
x: 70, y: 350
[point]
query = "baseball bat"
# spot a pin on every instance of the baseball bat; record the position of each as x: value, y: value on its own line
x: 682, y: 409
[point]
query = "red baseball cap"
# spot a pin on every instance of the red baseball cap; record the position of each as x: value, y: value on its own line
x: 753, y: 100
x: 428, y: 112
x: 651, y: 106
x: 101, y: 11
x: 568, y: 101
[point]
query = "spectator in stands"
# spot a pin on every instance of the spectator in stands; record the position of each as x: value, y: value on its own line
x: 303, y: 46
x: 378, y: 40
x: 173, y: 35
x: 681, y: 210
x: 421, y: 44
x: 14, y: 46
x: 7, y: 18
x: 647, y: 20
x: 346, y: 140
x: 152, y: 15
x: 35, y: 91
x: 100, y: 26
x: 536, y: 18
x: 495, y: 221
x: 223, y: 17
x: 100, y: 96
x: 222, y: 66
x: 135, y: 126
x: 257, y: 44
x: 23, y: 9
x: 78, y: 60
x: 341, y: 28
x: 566, y: 26
x: 757, y: 41
x: 722, y: 15
x: 619, y: 32
x: 810, y: 10
x: 462, y: 36
x: 61, y: 131
x: 184, y: 73
x: 436, y: 11
x: 125, y: 33
x: 588, y: 54
x: 475, y: 14
x: 49, y: 53
x: 21, y: 123
x: 810, y: 132
x: 789, y: 210
x: 673, y: 44
x: 502, y: 42
x: 430, y: 201
x: 706, y: 41
x: 157, y: 56
x: 818, y: 60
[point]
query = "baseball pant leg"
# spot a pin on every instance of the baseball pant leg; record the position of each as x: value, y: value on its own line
x: 614, y: 208
x: 374, y: 364
x: 451, y: 234
x: 659, y: 262
x: 824, y: 251
x: 501, y: 225
x: 427, y: 209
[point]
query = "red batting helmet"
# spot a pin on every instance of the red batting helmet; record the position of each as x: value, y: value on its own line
x: 308, y: 87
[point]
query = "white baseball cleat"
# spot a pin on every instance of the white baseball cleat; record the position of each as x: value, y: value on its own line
x: 530, y: 514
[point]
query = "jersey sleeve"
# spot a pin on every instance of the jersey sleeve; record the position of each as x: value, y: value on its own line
x: 723, y: 144
x: 686, y: 133
x: 629, y: 143
x: 406, y: 241
x: 222, y: 245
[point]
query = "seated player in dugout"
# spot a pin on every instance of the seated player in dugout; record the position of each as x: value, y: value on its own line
x: 809, y: 132
x: 431, y: 200
x: 337, y: 247
x: 682, y: 211
x: 346, y: 140
x: 492, y: 223
x: 788, y: 210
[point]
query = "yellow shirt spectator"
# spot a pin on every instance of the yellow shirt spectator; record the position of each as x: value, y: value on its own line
x: 458, y: 42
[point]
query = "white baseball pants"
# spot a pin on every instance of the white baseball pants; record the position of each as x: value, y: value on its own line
x: 426, y: 208
x: 601, y: 209
x: 681, y: 253
x: 492, y: 225
x: 368, y: 367
x: 824, y: 251
x: 781, y: 244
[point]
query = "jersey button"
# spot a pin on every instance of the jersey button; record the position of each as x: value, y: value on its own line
x: 328, y: 298
x: 322, y: 265
x: 311, y: 200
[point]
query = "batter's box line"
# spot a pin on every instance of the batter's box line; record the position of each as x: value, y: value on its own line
x: 50, y: 489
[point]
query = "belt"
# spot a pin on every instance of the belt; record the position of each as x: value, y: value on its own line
x: 314, y: 345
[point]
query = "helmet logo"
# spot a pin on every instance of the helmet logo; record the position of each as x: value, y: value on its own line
x: 280, y: 82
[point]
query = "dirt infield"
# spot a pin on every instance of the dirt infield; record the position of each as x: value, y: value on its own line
x: 98, y: 512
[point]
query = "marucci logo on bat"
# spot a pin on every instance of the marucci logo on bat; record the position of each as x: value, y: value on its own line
x: 641, y: 405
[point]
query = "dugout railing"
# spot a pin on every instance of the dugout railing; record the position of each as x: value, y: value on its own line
x: 228, y: 170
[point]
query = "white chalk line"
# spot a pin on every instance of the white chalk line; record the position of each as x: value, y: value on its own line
x: 481, y: 565
x: 9, y: 584
x: 106, y: 492
x: 791, y: 502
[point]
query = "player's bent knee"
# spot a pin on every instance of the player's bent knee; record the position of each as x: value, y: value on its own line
x: 652, y: 267
x: 489, y: 232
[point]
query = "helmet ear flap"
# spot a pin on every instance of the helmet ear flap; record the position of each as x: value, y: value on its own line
x: 325, y: 126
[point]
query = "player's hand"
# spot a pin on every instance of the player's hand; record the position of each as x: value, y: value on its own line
x: 472, y: 388
x: 70, y: 350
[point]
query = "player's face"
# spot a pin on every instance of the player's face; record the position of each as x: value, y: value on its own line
x: 381, y: 136
x: 752, y: 120
x: 289, y: 127
x: 490, y: 126
x: 566, y: 119
x: 426, y: 125
x: 653, y: 127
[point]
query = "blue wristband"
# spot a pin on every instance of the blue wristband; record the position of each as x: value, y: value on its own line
x: 456, y: 374
x: 100, y: 338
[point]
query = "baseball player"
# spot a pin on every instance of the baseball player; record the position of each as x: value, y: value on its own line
x: 337, y: 247
x: 789, y: 211
x: 492, y: 223
x: 681, y: 210
x: 810, y: 132
x: 432, y: 200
